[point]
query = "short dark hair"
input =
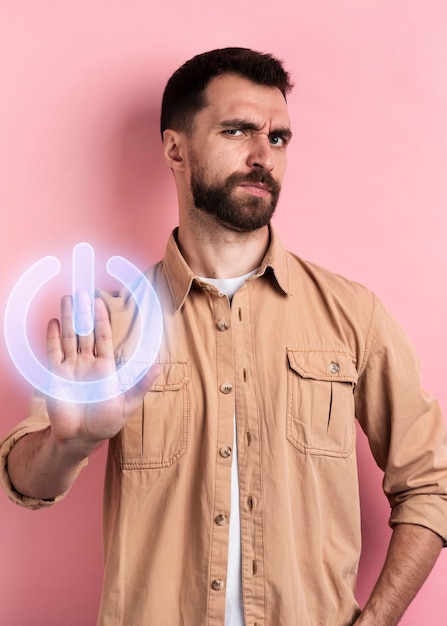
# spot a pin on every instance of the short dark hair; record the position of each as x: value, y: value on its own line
x: 184, y: 94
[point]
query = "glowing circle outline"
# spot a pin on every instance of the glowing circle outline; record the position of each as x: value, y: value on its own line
x: 75, y: 391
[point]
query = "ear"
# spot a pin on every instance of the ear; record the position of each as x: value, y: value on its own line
x: 174, y: 149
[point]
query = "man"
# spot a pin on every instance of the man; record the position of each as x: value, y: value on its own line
x: 231, y: 490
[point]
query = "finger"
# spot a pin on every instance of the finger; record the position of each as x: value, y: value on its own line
x: 82, y: 318
x: 54, y: 346
x: 69, y: 339
x: 103, y: 331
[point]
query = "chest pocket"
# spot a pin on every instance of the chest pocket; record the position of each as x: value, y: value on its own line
x: 156, y: 436
x: 320, y: 402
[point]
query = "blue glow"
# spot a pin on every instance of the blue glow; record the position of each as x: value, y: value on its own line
x: 83, y: 272
x: 83, y: 392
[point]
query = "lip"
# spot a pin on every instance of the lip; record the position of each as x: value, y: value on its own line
x: 256, y: 189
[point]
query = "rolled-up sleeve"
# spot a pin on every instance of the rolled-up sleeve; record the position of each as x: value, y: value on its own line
x: 404, y: 426
x: 37, y: 420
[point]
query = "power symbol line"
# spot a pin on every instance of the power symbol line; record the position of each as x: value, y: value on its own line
x: 83, y: 278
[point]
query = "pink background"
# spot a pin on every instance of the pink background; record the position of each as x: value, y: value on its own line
x: 80, y: 154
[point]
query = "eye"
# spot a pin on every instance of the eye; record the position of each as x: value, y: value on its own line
x: 233, y: 132
x: 278, y: 141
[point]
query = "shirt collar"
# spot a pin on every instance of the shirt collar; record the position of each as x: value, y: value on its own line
x: 180, y: 276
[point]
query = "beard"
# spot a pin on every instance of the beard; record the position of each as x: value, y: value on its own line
x: 242, y: 214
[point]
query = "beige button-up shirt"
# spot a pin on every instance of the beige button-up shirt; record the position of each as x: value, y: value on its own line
x: 298, y: 355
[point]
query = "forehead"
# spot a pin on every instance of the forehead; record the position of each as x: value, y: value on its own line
x: 231, y: 96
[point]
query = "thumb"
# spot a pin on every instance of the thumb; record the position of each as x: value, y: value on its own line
x: 138, y: 391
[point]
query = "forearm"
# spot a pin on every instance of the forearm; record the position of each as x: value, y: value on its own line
x: 41, y: 467
x: 411, y: 556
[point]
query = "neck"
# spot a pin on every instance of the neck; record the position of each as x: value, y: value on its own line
x: 214, y: 251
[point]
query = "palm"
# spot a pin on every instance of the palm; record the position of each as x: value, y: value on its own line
x: 83, y: 358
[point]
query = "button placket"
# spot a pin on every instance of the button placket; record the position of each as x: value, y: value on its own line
x: 249, y: 470
x: 224, y: 419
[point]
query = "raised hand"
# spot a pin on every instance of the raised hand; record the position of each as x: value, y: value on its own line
x: 82, y: 358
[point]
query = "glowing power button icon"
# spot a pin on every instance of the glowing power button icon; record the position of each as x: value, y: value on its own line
x: 85, y: 391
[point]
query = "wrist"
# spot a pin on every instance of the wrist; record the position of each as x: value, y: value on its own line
x: 73, y: 450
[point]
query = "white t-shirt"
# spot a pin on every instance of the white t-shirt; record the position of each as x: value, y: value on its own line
x: 234, y: 606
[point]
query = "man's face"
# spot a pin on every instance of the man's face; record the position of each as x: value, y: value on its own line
x: 237, y: 152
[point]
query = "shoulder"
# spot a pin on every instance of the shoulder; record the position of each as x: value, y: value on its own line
x: 326, y: 285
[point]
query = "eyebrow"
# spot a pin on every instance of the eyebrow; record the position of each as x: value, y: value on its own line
x: 243, y: 124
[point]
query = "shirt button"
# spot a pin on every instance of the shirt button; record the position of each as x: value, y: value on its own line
x: 222, y: 325
x: 218, y: 584
x: 226, y: 388
x: 334, y: 368
x: 221, y: 519
x: 225, y: 452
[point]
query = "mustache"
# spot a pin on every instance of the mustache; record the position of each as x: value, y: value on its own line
x: 255, y: 176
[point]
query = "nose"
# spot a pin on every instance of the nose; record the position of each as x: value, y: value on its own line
x: 260, y: 155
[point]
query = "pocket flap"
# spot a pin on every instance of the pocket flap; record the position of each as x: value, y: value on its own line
x: 323, y: 365
x: 173, y: 376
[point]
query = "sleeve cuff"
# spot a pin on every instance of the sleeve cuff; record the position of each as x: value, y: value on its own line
x: 5, y: 448
x: 428, y: 510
